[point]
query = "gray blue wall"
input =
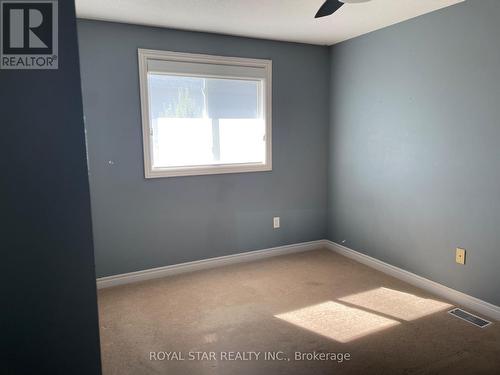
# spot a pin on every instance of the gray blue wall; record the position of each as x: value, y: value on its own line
x: 48, y: 314
x: 140, y: 224
x: 414, y: 165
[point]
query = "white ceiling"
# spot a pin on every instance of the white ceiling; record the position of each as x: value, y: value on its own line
x: 289, y: 20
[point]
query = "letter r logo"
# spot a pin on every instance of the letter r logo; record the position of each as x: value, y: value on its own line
x: 18, y: 29
x: 27, y: 27
x: 29, y: 34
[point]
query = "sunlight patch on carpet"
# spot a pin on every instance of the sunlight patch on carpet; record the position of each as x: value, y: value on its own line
x: 400, y: 305
x: 337, y: 321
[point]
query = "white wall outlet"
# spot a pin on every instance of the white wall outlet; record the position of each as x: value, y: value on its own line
x: 276, y: 222
x: 460, y: 255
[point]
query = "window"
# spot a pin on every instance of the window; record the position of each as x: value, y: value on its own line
x: 204, y: 114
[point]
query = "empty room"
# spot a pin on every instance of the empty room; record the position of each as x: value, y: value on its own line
x: 251, y: 187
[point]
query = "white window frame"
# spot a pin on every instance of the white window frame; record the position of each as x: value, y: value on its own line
x: 150, y: 172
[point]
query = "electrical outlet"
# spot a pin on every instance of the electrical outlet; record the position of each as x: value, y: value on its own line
x: 276, y: 222
x: 460, y: 256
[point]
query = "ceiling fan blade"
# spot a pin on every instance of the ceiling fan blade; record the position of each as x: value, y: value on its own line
x: 329, y: 7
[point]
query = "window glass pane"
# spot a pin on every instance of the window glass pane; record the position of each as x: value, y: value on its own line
x: 241, y: 140
x: 232, y: 98
x: 205, y: 121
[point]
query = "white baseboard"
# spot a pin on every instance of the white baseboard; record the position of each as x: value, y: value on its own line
x: 480, y: 306
x: 154, y: 273
x: 462, y: 299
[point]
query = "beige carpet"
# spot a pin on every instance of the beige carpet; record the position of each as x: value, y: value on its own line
x: 309, y: 302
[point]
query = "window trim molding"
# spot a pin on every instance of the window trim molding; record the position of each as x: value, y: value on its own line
x: 144, y: 55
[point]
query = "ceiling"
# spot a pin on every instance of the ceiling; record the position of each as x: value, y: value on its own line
x: 288, y: 20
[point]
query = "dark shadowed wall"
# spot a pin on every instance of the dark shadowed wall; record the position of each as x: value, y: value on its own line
x: 139, y: 223
x: 414, y: 165
x: 48, y: 294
